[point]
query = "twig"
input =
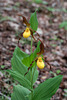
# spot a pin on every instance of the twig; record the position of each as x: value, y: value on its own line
x: 5, y: 96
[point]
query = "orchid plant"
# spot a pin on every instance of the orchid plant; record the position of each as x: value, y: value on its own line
x: 24, y: 68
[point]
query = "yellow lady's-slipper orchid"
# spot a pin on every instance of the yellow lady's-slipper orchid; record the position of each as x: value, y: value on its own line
x: 26, y: 33
x: 40, y: 63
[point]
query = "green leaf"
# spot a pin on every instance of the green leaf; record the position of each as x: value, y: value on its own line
x: 65, y: 90
x: 57, y: 10
x: 28, y: 60
x: 58, y: 71
x: 20, y: 93
x: 41, y: 1
x: 2, y: 66
x: 50, y: 9
x: 63, y: 25
x: 64, y: 10
x: 6, y: 18
x: 34, y: 21
x: 47, y: 89
x: 29, y: 75
x: 20, y: 78
x: 45, y: 3
x: 38, y: 1
x: 20, y: 67
x: 35, y: 74
x: 17, y: 65
x: 19, y: 53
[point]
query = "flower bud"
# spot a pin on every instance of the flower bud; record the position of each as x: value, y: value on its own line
x: 40, y: 63
x: 26, y: 33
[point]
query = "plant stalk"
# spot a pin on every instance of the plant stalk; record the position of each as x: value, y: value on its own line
x: 31, y: 71
x: 31, y: 43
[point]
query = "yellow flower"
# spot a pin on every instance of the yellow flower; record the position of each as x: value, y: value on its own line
x: 26, y: 33
x: 40, y: 63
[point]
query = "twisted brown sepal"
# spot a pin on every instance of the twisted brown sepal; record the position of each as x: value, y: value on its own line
x: 24, y: 20
x: 41, y: 48
x: 32, y: 34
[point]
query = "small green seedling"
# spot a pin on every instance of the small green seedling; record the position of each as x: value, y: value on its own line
x: 58, y: 71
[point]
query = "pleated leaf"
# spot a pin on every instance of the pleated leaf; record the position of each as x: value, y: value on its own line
x: 17, y: 65
x: 34, y: 21
x: 47, y: 89
x: 20, y: 78
x: 27, y: 60
x: 19, y: 53
x: 20, y: 93
x: 35, y: 74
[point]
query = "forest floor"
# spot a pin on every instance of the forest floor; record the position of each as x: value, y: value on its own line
x: 50, y: 33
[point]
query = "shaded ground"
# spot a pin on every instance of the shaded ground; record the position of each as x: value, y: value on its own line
x: 50, y: 33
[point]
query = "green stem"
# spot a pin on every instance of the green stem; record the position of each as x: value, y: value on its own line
x: 32, y: 81
x: 31, y: 71
x: 31, y: 43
